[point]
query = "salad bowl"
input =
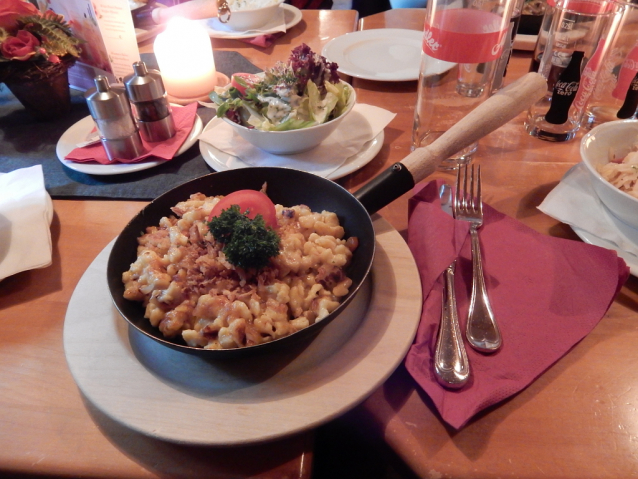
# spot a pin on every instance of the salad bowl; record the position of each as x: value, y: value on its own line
x: 293, y: 141
x: 289, y: 108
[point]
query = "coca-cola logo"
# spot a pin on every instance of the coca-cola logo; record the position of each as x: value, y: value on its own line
x: 588, y: 81
x: 566, y: 88
x: 493, y: 26
x: 630, y: 63
x: 478, y: 4
x: 428, y: 40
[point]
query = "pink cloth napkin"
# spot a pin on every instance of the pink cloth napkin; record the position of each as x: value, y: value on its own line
x: 547, y: 294
x: 184, y: 118
x: 263, y: 40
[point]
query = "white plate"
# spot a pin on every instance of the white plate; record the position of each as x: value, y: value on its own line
x: 221, y: 161
x: 385, y: 54
x: 629, y: 233
x: 78, y: 133
x: 292, y: 16
x: 183, y: 398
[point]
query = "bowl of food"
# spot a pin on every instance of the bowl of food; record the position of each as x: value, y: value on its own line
x: 251, y: 14
x: 291, y: 107
x: 610, y: 154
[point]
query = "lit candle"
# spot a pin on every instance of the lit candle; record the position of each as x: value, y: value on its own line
x: 185, y: 59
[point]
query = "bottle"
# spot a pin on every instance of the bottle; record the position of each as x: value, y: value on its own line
x: 628, y: 70
x: 503, y: 62
x: 628, y: 108
x: 543, y: 35
x: 565, y: 90
x: 112, y: 114
x: 151, y: 108
x: 589, y: 75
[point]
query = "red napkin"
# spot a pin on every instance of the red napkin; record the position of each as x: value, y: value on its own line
x: 184, y: 118
x: 263, y: 40
x: 547, y: 294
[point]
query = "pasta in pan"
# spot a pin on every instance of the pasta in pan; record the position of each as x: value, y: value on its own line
x: 189, y: 288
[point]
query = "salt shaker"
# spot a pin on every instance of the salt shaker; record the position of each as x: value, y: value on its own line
x: 111, y: 111
x: 151, y: 108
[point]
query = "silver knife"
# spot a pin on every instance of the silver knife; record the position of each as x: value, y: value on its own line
x: 451, y: 366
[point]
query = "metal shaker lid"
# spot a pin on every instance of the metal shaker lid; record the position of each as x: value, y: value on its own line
x: 144, y: 84
x: 107, y: 101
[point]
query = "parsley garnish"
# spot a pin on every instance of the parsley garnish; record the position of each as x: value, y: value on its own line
x: 247, y: 243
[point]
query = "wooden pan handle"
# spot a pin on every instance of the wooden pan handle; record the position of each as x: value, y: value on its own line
x: 485, y: 118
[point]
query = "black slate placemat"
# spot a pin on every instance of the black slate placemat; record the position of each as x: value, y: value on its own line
x: 25, y: 142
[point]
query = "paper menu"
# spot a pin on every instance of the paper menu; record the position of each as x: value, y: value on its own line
x: 110, y: 45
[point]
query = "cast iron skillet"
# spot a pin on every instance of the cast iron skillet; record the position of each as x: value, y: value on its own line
x: 292, y: 187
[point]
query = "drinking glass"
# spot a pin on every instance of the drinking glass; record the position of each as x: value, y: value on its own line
x: 615, y: 96
x: 575, y: 45
x: 503, y: 61
x: 462, y: 44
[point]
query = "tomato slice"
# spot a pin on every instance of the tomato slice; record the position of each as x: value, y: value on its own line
x: 245, y: 79
x: 256, y: 202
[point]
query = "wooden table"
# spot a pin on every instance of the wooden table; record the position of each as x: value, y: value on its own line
x: 577, y: 420
x: 46, y: 428
x: 580, y: 418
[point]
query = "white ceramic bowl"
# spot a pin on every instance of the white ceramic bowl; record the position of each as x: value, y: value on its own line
x: 292, y: 141
x: 619, y: 136
x: 242, y: 20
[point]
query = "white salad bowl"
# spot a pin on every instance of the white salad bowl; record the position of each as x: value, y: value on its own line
x: 244, y: 19
x: 617, y: 137
x: 293, y: 141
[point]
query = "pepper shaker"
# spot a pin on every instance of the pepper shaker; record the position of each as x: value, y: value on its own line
x: 111, y: 111
x: 151, y: 108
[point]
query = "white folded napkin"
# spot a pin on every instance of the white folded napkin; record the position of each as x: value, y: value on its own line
x: 277, y: 24
x: 363, y: 124
x: 574, y: 202
x: 25, y: 217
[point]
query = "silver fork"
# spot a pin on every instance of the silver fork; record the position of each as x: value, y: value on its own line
x: 482, y: 330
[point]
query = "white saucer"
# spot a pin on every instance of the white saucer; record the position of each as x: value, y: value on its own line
x: 78, y: 133
x: 292, y: 16
x: 183, y: 398
x: 627, y: 232
x: 384, y: 54
x: 221, y: 161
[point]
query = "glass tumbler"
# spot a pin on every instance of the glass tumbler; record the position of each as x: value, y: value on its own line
x: 576, y: 44
x: 462, y: 44
x: 615, y: 96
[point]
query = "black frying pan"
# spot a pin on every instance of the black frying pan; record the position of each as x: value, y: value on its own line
x: 292, y: 187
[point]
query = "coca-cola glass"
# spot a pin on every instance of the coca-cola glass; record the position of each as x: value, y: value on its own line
x: 575, y: 45
x: 462, y: 44
x: 615, y: 95
x: 503, y: 61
